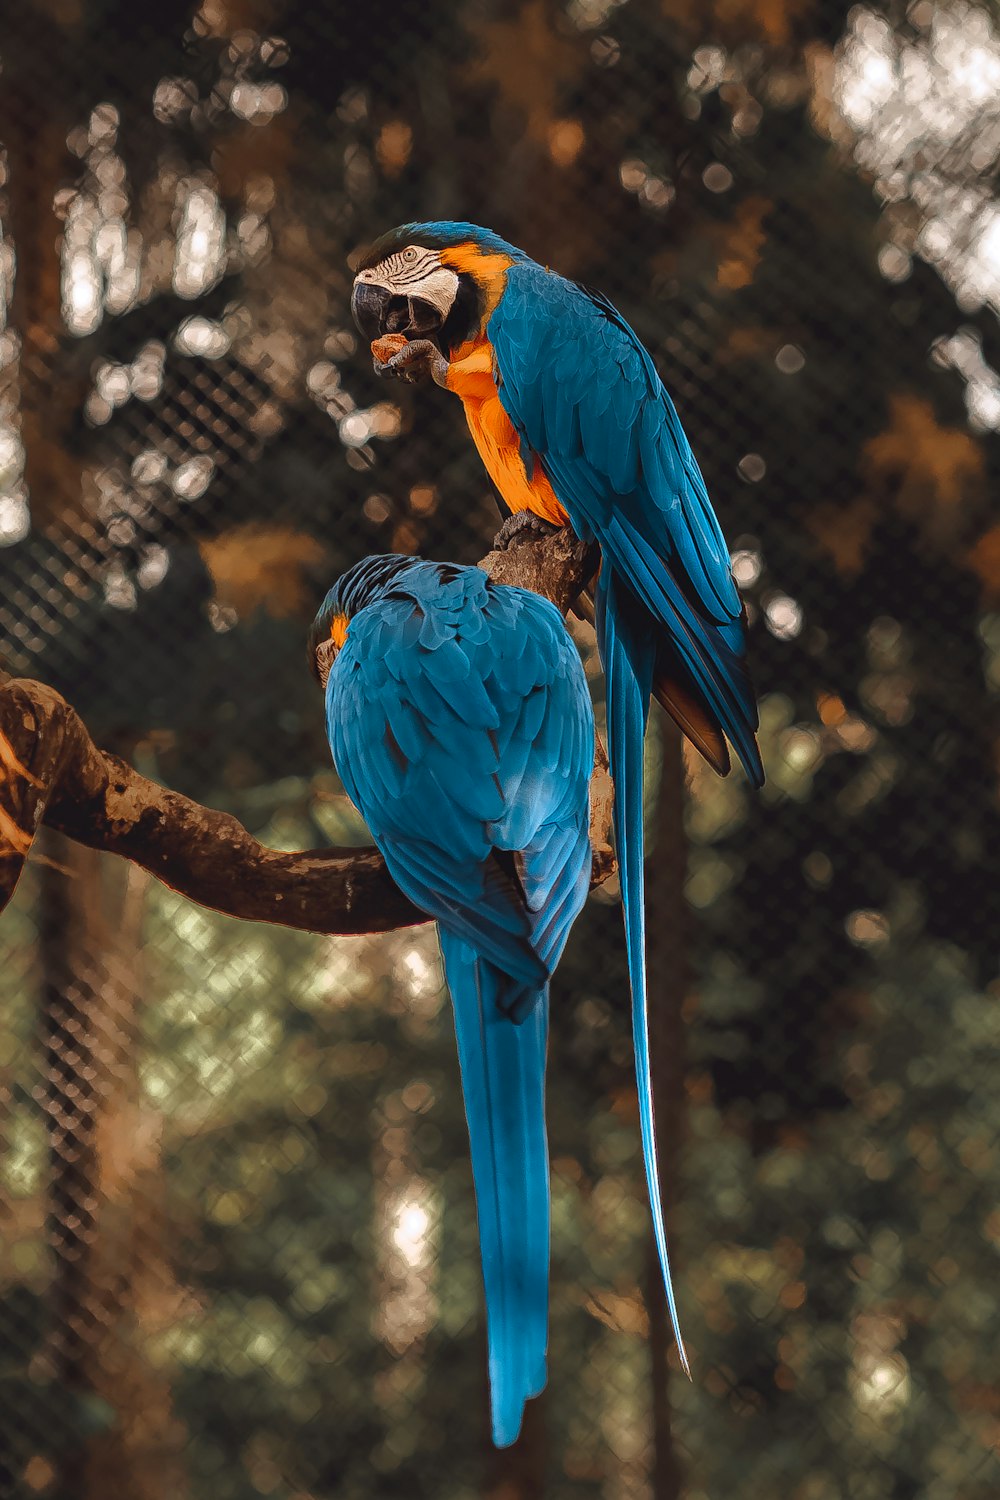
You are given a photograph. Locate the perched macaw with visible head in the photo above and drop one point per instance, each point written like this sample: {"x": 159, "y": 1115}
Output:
{"x": 574, "y": 425}
{"x": 460, "y": 722}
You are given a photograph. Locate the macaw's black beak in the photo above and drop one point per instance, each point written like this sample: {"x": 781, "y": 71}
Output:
{"x": 377, "y": 311}
{"x": 368, "y": 305}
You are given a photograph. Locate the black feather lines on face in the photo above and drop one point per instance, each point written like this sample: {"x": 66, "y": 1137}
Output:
{"x": 396, "y": 239}
{"x": 466, "y": 313}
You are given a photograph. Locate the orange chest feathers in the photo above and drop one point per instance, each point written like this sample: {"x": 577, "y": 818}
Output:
{"x": 495, "y": 437}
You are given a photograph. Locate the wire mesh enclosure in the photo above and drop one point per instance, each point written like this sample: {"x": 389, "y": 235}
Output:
{"x": 238, "y": 1250}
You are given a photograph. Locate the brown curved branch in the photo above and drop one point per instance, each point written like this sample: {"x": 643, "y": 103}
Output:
{"x": 51, "y": 772}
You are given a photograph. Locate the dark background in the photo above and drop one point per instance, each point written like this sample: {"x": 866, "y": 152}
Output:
{"x": 238, "y": 1247}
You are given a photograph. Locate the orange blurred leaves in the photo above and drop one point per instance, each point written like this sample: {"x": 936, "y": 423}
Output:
{"x": 770, "y": 20}
{"x": 742, "y": 240}
{"x": 63, "y": 12}
{"x": 622, "y": 1314}
{"x": 930, "y": 469}
{"x": 824, "y": 112}
{"x": 932, "y": 474}
{"x": 128, "y": 1145}
{"x": 393, "y": 146}
{"x": 249, "y": 152}
{"x": 528, "y": 62}
{"x": 748, "y": 343}
{"x": 843, "y": 531}
{"x": 226, "y": 17}
{"x": 726, "y": 255}
{"x": 39, "y": 1473}
{"x": 984, "y": 560}
{"x": 264, "y": 567}
{"x": 566, "y": 138}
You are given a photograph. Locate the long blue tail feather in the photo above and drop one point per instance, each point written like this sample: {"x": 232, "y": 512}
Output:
{"x": 628, "y": 651}
{"x": 503, "y": 1081}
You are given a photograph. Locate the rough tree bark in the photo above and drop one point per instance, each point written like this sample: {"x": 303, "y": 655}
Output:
{"x": 51, "y": 773}
{"x": 37, "y": 105}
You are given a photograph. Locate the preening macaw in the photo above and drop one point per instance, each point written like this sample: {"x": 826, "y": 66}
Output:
{"x": 460, "y": 723}
{"x": 574, "y": 425}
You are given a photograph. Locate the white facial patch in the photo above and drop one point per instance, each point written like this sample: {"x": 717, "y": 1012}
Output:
{"x": 415, "y": 272}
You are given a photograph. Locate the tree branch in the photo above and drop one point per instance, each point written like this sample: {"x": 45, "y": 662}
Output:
{"x": 52, "y": 773}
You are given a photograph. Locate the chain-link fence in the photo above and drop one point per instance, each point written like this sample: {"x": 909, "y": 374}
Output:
{"x": 239, "y": 1253}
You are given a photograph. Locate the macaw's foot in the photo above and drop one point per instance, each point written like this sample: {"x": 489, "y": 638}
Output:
{"x": 416, "y": 360}
{"x": 519, "y": 526}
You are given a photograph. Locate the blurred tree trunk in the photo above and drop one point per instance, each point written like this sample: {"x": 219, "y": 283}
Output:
{"x": 105, "y": 1194}
{"x": 668, "y": 976}
{"x": 36, "y": 113}
{"x": 112, "y": 1288}
{"x": 68, "y": 937}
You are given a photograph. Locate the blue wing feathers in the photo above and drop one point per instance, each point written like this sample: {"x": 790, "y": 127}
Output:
{"x": 469, "y": 754}
{"x": 585, "y": 396}
{"x": 466, "y": 745}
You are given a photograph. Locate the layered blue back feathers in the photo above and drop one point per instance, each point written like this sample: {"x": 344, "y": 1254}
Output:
{"x": 586, "y": 399}
{"x": 460, "y": 723}
{"x": 589, "y": 408}
{"x": 588, "y": 405}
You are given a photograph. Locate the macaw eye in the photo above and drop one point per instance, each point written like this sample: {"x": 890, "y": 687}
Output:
{"x": 409, "y": 254}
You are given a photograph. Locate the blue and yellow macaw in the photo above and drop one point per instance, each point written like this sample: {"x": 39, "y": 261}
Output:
{"x": 575, "y": 426}
{"x": 460, "y": 723}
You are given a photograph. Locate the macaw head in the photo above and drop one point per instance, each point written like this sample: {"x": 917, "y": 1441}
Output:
{"x": 433, "y": 281}
{"x": 368, "y": 580}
